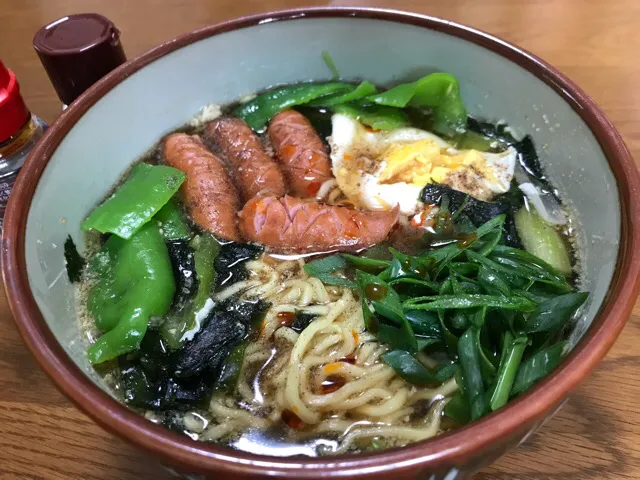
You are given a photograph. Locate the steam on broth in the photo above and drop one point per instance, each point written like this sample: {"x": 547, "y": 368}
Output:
{"x": 329, "y": 268}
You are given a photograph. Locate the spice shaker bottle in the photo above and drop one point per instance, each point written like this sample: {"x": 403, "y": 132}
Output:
{"x": 77, "y": 51}
{"x": 19, "y": 131}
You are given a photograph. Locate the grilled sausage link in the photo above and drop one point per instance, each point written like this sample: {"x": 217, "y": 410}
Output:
{"x": 256, "y": 172}
{"x": 301, "y": 152}
{"x": 296, "y": 225}
{"x": 209, "y": 194}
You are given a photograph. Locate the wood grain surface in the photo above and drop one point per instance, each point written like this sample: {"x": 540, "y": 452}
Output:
{"x": 595, "y": 42}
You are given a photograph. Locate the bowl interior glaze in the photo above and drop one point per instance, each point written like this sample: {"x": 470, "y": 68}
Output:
{"x": 129, "y": 119}
{"x": 171, "y": 88}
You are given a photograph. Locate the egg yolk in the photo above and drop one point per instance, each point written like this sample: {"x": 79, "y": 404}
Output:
{"x": 423, "y": 162}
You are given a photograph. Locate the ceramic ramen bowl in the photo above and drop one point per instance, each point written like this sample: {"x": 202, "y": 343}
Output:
{"x": 94, "y": 141}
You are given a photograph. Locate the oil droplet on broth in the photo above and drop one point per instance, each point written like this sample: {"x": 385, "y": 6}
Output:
{"x": 291, "y": 419}
{"x": 332, "y": 383}
{"x": 286, "y": 318}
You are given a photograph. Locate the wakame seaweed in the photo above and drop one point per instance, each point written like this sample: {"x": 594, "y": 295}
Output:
{"x": 154, "y": 377}
{"x": 500, "y": 132}
{"x": 229, "y": 264}
{"x": 320, "y": 119}
{"x": 184, "y": 268}
{"x": 74, "y": 262}
{"x": 301, "y": 321}
{"x": 477, "y": 211}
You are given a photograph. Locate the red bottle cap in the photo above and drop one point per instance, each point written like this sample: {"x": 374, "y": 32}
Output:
{"x": 13, "y": 111}
{"x": 77, "y": 51}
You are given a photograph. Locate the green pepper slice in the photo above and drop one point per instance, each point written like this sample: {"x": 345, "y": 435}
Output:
{"x": 147, "y": 189}
{"x": 133, "y": 281}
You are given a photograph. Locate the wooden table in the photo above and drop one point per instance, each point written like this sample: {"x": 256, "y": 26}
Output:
{"x": 595, "y": 42}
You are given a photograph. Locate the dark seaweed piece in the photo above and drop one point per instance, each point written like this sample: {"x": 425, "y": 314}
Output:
{"x": 156, "y": 378}
{"x": 147, "y": 379}
{"x": 73, "y": 260}
{"x": 420, "y": 118}
{"x": 528, "y": 157}
{"x": 477, "y": 211}
{"x": 225, "y": 328}
{"x": 301, "y": 321}
{"x": 320, "y": 119}
{"x": 229, "y": 264}
{"x": 137, "y": 389}
{"x": 184, "y": 268}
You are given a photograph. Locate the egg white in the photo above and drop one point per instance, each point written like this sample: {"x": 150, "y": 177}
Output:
{"x": 360, "y": 180}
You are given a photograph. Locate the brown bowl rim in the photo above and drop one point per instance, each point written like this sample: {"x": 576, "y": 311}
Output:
{"x": 444, "y": 451}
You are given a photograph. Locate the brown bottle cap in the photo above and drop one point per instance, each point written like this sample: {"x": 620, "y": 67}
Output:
{"x": 77, "y": 51}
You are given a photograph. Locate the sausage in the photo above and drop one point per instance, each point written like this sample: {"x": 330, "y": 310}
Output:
{"x": 256, "y": 172}
{"x": 303, "y": 225}
{"x": 301, "y": 152}
{"x": 208, "y": 193}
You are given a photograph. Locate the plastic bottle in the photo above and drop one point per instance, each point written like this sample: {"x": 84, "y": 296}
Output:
{"x": 19, "y": 131}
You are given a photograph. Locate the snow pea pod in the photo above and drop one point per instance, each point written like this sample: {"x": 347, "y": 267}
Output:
{"x": 258, "y": 111}
{"x": 438, "y": 91}
{"x": 172, "y": 222}
{"x": 147, "y": 189}
{"x": 378, "y": 117}
{"x": 362, "y": 90}
{"x": 134, "y": 281}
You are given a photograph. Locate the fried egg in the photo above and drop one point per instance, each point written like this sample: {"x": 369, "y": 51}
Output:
{"x": 378, "y": 170}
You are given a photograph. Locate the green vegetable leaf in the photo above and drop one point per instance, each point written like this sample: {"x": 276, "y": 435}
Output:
{"x": 371, "y": 265}
{"x": 408, "y": 367}
{"x": 457, "y": 409}
{"x": 514, "y": 276}
{"x": 361, "y": 91}
{"x": 395, "y": 337}
{"x": 424, "y": 342}
{"x": 536, "y": 367}
{"x": 509, "y": 364}
{"x": 424, "y": 323}
{"x": 386, "y": 303}
{"x": 414, "y": 281}
{"x": 527, "y": 258}
{"x": 147, "y": 189}
{"x": 377, "y": 117}
{"x": 172, "y": 223}
{"x": 463, "y": 268}
{"x": 523, "y": 269}
{"x": 446, "y": 372}
{"x": 331, "y": 65}
{"x": 442, "y": 256}
{"x": 325, "y": 268}
{"x": 490, "y": 242}
{"x": 542, "y": 240}
{"x": 404, "y": 265}
{"x": 438, "y": 91}
{"x": 228, "y": 378}
{"x": 437, "y": 302}
{"x": 477, "y": 316}
{"x": 554, "y": 313}
{"x": 260, "y": 110}
{"x": 370, "y": 323}
{"x": 469, "y": 356}
{"x": 450, "y": 339}
{"x": 492, "y": 282}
